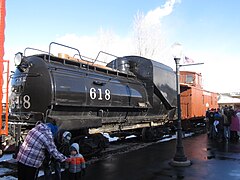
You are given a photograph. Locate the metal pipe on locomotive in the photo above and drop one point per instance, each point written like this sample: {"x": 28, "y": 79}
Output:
{"x": 129, "y": 93}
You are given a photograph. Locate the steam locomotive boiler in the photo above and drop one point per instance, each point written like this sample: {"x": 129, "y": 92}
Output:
{"x": 130, "y": 92}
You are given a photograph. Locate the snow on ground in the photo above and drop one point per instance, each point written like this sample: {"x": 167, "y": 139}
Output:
{"x": 3, "y": 171}
{"x": 131, "y": 136}
{"x": 8, "y": 178}
{"x": 6, "y": 157}
{"x": 110, "y": 139}
{"x": 175, "y": 136}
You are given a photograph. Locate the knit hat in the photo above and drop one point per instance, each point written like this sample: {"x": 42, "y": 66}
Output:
{"x": 66, "y": 137}
{"x": 52, "y": 127}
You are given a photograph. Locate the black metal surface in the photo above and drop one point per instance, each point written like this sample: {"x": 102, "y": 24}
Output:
{"x": 159, "y": 81}
{"x": 80, "y": 94}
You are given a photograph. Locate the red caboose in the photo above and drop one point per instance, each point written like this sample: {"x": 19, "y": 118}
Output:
{"x": 194, "y": 99}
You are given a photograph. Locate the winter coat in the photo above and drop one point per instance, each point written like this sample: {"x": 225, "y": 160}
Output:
{"x": 218, "y": 117}
{"x": 211, "y": 117}
{"x": 62, "y": 146}
{"x": 235, "y": 122}
{"x": 225, "y": 120}
{"x": 38, "y": 140}
{"x": 75, "y": 163}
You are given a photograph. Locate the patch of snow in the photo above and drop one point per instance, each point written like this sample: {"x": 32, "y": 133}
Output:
{"x": 8, "y": 178}
{"x": 189, "y": 134}
{"x": 131, "y": 136}
{"x": 40, "y": 173}
{"x": 5, "y": 170}
{"x": 167, "y": 139}
{"x": 110, "y": 139}
{"x": 6, "y": 157}
{"x": 175, "y": 137}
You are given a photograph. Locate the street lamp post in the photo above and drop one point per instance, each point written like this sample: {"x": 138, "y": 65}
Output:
{"x": 179, "y": 159}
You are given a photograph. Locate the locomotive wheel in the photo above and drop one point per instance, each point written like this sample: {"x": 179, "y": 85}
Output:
{"x": 147, "y": 134}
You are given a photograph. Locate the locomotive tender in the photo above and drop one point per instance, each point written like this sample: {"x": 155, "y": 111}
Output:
{"x": 130, "y": 92}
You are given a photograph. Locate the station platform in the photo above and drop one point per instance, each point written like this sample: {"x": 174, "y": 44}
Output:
{"x": 210, "y": 160}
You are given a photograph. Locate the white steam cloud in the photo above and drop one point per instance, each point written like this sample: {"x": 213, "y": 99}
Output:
{"x": 149, "y": 38}
{"x": 155, "y": 16}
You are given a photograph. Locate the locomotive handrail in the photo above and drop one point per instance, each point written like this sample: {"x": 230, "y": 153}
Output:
{"x": 84, "y": 57}
{"x": 103, "y": 53}
{"x": 91, "y": 59}
{"x": 34, "y": 50}
{"x": 63, "y": 46}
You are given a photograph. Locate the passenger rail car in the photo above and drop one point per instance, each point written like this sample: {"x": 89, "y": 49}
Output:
{"x": 130, "y": 92}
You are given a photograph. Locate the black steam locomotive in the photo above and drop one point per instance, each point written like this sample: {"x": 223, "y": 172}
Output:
{"x": 130, "y": 92}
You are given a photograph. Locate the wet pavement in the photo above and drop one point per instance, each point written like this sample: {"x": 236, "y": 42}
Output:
{"x": 211, "y": 160}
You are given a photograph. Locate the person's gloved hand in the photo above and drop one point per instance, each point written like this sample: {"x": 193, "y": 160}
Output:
{"x": 68, "y": 160}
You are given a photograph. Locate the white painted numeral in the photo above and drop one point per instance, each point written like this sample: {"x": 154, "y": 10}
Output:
{"x": 97, "y": 93}
{"x": 100, "y": 94}
{"x": 26, "y": 102}
{"x": 107, "y": 94}
{"x": 93, "y": 94}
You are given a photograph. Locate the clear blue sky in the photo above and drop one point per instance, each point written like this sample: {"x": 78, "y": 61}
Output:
{"x": 208, "y": 29}
{"x": 42, "y": 20}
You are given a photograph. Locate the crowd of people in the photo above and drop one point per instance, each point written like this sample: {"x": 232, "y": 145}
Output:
{"x": 48, "y": 148}
{"x": 223, "y": 124}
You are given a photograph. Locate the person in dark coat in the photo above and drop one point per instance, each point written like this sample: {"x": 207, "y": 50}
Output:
{"x": 235, "y": 126}
{"x": 218, "y": 125}
{"x": 62, "y": 142}
{"x": 210, "y": 116}
{"x": 227, "y": 117}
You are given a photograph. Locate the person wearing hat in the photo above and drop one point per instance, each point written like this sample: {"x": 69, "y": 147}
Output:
{"x": 76, "y": 163}
{"x": 62, "y": 141}
{"x": 32, "y": 152}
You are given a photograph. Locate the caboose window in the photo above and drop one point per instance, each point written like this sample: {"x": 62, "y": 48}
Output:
{"x": 189, "y": 79}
